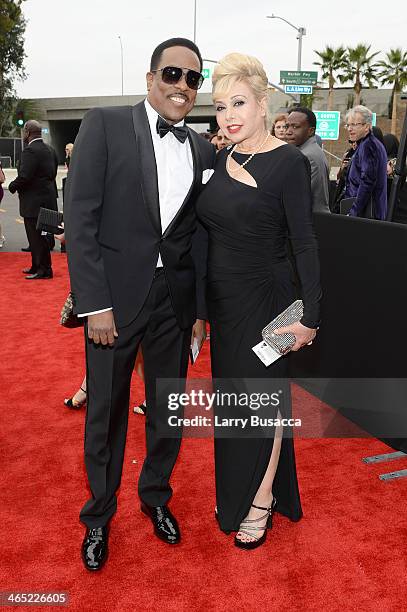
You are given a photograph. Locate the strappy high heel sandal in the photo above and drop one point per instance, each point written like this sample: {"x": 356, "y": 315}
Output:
{"x": 249, "y": 527}
{"x": 74, "y": 404}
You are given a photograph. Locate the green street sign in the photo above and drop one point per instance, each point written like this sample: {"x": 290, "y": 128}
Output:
{"x": 298, "y": 77}
{"x": 206, "y": 73}
{"x": 328, "y": 124}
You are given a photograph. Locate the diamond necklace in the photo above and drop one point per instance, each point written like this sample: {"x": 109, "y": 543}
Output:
{"x": 241, "y": 166}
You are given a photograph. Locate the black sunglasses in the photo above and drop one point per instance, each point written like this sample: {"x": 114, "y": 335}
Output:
{"x": 173, "y": 74}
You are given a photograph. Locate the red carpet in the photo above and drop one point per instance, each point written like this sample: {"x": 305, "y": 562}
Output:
{"x": 347, "y": 553}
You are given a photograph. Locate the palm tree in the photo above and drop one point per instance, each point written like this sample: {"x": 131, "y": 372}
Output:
{"x": 332, "y": 61}
{"x": 394, "y": 70}
{"x": 359, "y": 69}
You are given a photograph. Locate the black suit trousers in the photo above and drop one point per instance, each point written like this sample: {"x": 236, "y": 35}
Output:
{"x": 40, "y": 253}
{"x": 109, "y": 369}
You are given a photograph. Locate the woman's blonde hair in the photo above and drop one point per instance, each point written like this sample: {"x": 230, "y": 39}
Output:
{"x": 236, "y": 67}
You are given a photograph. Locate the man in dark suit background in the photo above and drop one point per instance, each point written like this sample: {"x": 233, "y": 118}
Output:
{"x": 36, "y": 187}
{"x": 137, "y": 272}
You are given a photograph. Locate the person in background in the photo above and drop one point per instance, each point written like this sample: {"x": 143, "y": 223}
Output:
{"x": 391, "y": 144}
{"x": 2, "y": 180}
{"x": 206, "y": 136}
{"x": 366, "y": 180}
{"x": 377, "y": 133}
{"x": 78, "y": 400}
{"x": 139, "y": 368}
{"x": 68, "y": 155}
{"x": 220, "y": 140}
{"x": 341, "y": 177}
{"x": 301, "y": 125}
{"x": 279, "y": 126}
{"x": 36, "y": 187}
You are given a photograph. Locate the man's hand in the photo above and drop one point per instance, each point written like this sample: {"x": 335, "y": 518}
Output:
{"x": 303, "y": 335}
{"x": 199, "y": 332}
{"x": 102, "y": 328}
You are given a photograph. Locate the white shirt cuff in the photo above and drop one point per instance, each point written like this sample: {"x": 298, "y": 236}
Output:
{"x": 86, "y": 314}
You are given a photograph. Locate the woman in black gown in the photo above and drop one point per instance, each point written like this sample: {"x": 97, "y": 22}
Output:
{"x": 257, "y": 200}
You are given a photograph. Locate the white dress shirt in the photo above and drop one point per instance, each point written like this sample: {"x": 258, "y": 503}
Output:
{"x": 175, "y": 172}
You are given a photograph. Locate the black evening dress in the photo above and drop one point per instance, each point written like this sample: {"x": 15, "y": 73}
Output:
{"x": 250, "y": 281}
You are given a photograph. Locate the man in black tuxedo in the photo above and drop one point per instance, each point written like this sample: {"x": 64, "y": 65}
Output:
{"x": 36, "y": 187}
{"x": 137, "y": 267}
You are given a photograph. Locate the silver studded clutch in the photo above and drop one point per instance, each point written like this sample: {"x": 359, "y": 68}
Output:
{"x": 281, "y": 343}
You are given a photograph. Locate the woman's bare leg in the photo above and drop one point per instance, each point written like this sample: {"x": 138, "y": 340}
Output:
{"x": 264, "y": 495}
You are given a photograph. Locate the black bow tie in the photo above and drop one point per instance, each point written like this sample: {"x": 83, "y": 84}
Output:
{"x": 180, "y": 133}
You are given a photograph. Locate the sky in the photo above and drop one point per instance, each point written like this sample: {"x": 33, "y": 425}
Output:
{"x": 73, "y": 48}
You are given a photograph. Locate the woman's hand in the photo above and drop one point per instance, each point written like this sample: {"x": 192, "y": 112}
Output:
{"x": 303, "y": 335}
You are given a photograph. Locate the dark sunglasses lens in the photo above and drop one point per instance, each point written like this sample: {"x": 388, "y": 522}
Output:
{"x": 194, "y": 79}
{"x": 171, "y": 74}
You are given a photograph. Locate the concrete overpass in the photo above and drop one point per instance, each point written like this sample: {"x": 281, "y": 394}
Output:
{"x": 61, "y": 117}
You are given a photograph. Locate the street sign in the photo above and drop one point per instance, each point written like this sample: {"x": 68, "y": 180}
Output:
{"x": 206, "y": 73}
{"x": 298, "y": 77}
{"x": 298, "y": 89}
{"x": 328, "y": 124}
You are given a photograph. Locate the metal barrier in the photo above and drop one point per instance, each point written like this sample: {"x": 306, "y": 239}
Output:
{"x": 388, "y": 457}
{"x": 331, "y": 154}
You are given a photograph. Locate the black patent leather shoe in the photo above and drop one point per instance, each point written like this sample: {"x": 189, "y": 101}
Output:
{"x": 164, "y": 523}
{"x": 95, "y": 549}
{"x": 29, "y": 271}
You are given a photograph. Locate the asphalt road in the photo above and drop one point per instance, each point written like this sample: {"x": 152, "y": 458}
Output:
{"x": 12, "y": 225}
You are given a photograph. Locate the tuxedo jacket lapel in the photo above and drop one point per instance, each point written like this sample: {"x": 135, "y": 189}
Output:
{"x": 196, "y": 157}
{"x": 148, "y": 164}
